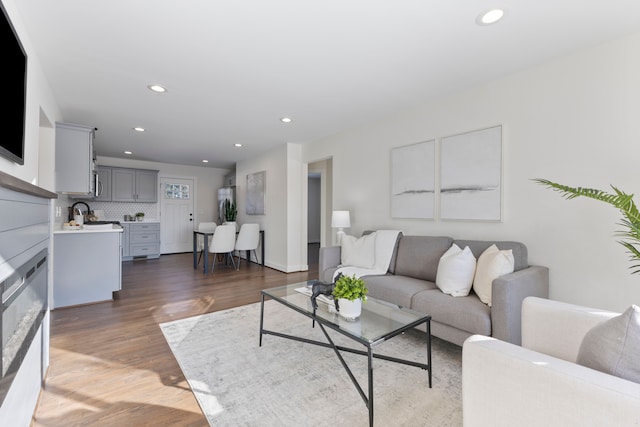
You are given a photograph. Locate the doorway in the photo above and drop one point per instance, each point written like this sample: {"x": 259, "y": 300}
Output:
{"x": 176, "y": 215}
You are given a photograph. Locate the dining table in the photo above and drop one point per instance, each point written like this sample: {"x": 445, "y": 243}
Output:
{"x": 205, "y": 235}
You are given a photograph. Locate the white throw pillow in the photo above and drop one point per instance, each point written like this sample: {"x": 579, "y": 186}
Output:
{"x": 358, "y": 252}
{"x": 492, "y": 263}
{"x": 456, "y": 269}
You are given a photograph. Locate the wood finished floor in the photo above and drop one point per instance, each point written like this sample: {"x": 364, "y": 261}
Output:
{"x": 109, "y": 362}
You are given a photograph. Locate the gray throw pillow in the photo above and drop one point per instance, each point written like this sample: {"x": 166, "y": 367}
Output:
{"x": 613, "y": 346}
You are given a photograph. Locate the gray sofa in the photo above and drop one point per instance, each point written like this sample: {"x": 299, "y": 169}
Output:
{"x": 410, "y": 282}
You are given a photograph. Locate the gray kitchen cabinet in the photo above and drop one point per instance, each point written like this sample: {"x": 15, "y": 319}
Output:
{"x": 87, "y": 267}
{"x": 134, "y": 185}
{"x": 144, "y": 240}
{"x": 104, "y": 184}
{"x": 74, "y": 164}
{"x": 125, "y": 240}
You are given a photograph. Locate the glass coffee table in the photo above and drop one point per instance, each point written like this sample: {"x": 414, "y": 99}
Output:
{"x": 379, "y": 322}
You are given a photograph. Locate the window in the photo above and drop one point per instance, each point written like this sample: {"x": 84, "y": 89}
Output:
{"x": 177, "y": 191}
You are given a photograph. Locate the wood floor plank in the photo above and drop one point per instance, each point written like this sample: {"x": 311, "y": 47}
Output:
{"x": 109, "y": 362}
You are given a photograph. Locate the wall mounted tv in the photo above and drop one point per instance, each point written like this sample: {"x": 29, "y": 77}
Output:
{"x": 13, "y": 100}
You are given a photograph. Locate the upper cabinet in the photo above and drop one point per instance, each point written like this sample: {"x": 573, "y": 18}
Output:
{"x": 74, "y": 159}
{"x": 134, "y": 185}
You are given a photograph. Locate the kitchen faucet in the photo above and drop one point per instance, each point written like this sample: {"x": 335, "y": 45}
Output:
{"x": 74, "y": 209}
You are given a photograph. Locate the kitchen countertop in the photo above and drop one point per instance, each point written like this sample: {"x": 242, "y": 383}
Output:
{"x": 115, "y": 229}
{"x": 149, "y": 221}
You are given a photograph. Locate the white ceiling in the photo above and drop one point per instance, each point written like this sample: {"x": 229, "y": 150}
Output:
{"x": 234, "y": 68}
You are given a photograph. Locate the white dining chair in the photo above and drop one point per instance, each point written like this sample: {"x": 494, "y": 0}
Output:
{"x": 223, "y": 242}
{"x": 248, "y": 240}
{"x": 205, "y": 227}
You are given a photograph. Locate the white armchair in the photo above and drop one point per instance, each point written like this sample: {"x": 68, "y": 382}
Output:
{"x": 539, "y": 384}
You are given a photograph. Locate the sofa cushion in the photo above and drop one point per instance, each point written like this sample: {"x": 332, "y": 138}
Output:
{"x": 613, "y": 346}
{"x": 418, "y": 256}
{"x": 358, "y": 252}
{"x": 520, "y": 253}
{"x": 396, "y": 289}
{"x": 492, "y": 264}
{"x": 455, "y": 271}
{"x": 465, "y": 313}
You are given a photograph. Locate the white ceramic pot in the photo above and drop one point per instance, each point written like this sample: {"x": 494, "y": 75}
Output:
{"x": 350, "y": 310}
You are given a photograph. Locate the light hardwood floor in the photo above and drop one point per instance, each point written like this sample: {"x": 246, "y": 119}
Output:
{"x": 110, "y": 364}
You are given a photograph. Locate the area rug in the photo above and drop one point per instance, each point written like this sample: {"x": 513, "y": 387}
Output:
{"x": 290, "y": 383}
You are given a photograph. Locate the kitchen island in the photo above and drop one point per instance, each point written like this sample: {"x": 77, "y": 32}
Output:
{"x": 87, "y": 265}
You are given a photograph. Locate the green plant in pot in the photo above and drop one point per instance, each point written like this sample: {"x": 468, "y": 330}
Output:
{"x": 230, "y": 211}
{"x": 620, "y": 200}
{"x": 140, "y": 216}
{"x": 350, "y": 292}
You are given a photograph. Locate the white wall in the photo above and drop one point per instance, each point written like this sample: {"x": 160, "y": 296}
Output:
{"x": 285, "y": 194}
{"x": 575, "y": 120}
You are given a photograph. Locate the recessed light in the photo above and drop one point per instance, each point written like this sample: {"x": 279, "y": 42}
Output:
{"x": 157, "y": 88}
{"x": 128, "y": 152}
{"x": 205, "y": 161}
{"x": 489, "y": 17}
{"x": 237, "y": 145}
{"x": 286, "y": 120}
{"x": 138, "y": 129}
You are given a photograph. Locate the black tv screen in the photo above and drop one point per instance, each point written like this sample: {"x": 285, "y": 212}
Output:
{"x": 13, "y": 100}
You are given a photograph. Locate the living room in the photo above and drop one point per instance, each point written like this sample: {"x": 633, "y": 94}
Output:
{"x": 571, "y": 119}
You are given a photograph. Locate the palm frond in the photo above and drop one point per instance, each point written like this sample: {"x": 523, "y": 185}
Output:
{"x": 619, "y": 199}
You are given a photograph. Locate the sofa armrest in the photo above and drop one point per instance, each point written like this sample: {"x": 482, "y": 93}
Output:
{"x": 328, "y": 262}
{"x": 557, "y": 328}
{"x": 507, "y": 294}
{"x": 506, "y": 385}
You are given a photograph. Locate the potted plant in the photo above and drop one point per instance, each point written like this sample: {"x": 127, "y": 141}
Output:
{"x": 230, "y": 211}
{"x": 619, "y": 199}
{"x": 350, "y": 293}
{"x": 140, "y": 216}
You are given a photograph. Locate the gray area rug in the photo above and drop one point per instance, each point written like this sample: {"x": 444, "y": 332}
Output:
{"x": 289, "y": 383}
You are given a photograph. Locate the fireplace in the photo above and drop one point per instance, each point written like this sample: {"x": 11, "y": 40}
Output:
{"x": 24, "y": 304}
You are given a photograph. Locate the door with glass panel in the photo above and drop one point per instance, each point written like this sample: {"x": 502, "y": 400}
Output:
{"x": 176, "y": 215}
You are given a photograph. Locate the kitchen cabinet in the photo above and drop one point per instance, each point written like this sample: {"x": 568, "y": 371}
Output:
{"x": 104, "y": 184}
{"x": 87, "y": 267}
{"x": 74, "y": 164}
{"x": 143, "y": 240}
{"x": 134, "y": 185}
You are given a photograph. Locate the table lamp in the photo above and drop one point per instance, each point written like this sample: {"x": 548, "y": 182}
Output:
{"x": 340, "y": 220}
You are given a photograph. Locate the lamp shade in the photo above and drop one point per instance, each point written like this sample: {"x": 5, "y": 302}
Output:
{"x": 340, "y": 219}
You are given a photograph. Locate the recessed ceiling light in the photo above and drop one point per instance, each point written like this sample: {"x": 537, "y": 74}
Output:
{"x": 138, "y": 129}
{"x": 489, "y": 17}
{"x": 128, "y": 152}
{"x": 157, "y": 88}
{"x": 285, "y": 120}
{"x": 237, "y": 145}
{"x": 205, "y": 161}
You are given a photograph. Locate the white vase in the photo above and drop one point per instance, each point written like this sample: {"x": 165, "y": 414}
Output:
{"x": 231, "y": 223}
{"x": 350, "y": 310}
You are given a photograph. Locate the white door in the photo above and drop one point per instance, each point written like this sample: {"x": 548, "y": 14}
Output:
{"x": 176, "y": 215}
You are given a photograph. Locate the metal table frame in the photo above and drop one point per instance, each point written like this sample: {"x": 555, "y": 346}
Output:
{"x": 205, "y": 255}
{"x": 322, "y": 323}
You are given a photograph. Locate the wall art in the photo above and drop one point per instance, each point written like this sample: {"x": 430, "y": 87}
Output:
{"x": 471, "y": 175}
{"x": 413, "y": 181}
{"x": 256, "y": 187}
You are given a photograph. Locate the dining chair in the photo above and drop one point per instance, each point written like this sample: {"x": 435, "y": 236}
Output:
{"x": 248, "y": 240}
{"x": 223, "y": 242}
{"x": 205, "y": 227}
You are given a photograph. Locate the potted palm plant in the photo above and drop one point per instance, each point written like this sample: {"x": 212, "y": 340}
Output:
{"x": 619, "y": 199}
{"x": 350, "y": 293}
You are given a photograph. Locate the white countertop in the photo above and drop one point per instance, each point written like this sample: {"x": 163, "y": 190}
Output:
{"x": 115, "y": 229}
{"x": 150, "y": 221}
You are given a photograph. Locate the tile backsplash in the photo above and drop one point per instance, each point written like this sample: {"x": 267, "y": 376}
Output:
{"x": 115, "y": 211}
